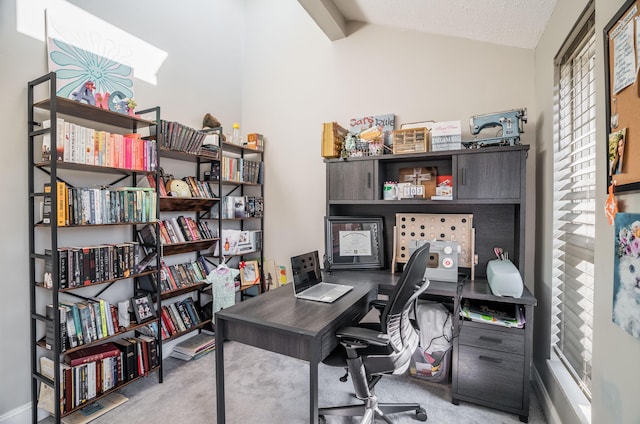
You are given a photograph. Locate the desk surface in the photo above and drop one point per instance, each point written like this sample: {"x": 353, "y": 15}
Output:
{"x": 279, "y": 311}
{"x": 476, "y": 289}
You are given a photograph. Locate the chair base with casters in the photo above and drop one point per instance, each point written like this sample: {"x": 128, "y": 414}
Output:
{"x": 371, "y": 409}
{"x": 370, "y": 352}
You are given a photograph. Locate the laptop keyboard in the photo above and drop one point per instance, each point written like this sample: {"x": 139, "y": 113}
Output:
{"x": 322, "y": 291}
{"x": 319, "y": 291}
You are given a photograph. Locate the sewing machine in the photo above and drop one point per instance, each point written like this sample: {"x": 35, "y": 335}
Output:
{"x": 510, "y": 123}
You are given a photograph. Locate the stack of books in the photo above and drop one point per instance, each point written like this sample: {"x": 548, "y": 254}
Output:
{"x": 195, "y": 347}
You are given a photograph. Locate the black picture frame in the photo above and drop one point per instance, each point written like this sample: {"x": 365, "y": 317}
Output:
{"x": 143, "y": 308}
{"x": 354, "y": 242}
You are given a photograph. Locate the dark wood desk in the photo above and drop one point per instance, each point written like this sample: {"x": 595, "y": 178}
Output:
{"x": 278, "y": 322}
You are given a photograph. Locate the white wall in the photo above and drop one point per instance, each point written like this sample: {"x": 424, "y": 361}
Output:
{"x": 615, "y": 353}
{"x": 295, "y": 79}
{"x": 203, "y": 40}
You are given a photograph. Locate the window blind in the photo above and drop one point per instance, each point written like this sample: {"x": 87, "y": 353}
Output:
{"x": 574, "y": 205}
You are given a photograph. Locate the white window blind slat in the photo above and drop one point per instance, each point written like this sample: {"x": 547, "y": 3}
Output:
{"x": 574, "y": 206}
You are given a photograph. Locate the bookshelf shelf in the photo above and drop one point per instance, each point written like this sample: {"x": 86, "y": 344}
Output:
{"x": 232, "y": 147}
{"x": 96, "y": 225}
{"x": 92, "y": 168}
{"x": 68, "y": 317}
{"x": 112, "y": 390}
{"x": 40, "y": 284}
{"x": 187, "y": 157}
{"x": 92, "y": 113}
{"x": 186, "y": 247}
{"x": 178, "y": 292}
{"x": 203, "y": 325}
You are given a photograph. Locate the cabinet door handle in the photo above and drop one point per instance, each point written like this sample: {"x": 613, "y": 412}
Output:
{"x": 490, "y": 339}
{"x": 490, "y": 359}
{"x": 368, "y": 179}
{"x": 461, "y": 176}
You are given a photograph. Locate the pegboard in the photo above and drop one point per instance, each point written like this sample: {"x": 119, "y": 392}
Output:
{"x": 448, "y": 227}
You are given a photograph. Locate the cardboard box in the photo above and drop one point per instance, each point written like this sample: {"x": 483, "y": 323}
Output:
{"x": 425, "y": 176}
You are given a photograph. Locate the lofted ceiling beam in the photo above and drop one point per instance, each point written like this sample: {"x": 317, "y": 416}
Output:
{"x": 327, "y": 16}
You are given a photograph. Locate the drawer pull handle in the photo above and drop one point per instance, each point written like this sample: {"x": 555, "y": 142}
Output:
{"x": 490, "y": 339}
{"x": 490, "y": 359}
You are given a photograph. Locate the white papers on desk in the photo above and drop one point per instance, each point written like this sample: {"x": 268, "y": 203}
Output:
{"x": 509, "y": 315}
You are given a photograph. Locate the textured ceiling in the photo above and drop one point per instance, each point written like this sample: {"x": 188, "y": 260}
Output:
{"x": 517, "y": 23}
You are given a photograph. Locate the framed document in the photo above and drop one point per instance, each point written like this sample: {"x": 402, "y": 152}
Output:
{"x": 354, "y": 242}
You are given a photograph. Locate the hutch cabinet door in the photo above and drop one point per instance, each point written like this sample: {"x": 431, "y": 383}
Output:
{"x": 351, "y": 180}
{"x": 494, "y": 175}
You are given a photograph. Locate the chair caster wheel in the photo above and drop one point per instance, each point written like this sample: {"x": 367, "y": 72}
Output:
{"x": 421, "y": 414}
{"x": 321, "y": 419}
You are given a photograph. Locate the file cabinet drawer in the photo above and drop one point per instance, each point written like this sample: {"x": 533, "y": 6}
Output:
{"x": 503, "y": 341}
{"x": 491, "y": 376}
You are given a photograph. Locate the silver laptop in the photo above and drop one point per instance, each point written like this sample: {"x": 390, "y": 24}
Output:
{"x": 307, "y": 280}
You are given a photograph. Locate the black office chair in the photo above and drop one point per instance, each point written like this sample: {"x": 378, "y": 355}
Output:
{"x": 371, "y": 351}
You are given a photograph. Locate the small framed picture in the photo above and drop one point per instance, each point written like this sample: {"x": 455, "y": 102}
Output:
{"x": 271, "y": 280}
{"x": 250, "y": 273}
{"x": 143, "y": 308}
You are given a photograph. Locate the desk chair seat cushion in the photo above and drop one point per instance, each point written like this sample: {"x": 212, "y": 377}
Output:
{"x": 381, "y": 353}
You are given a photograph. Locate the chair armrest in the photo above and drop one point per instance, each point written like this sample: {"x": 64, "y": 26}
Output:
{"x": 379, "y": 304}
{"x": 363, "y": 335}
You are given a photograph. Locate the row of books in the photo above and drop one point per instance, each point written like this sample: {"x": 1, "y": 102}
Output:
{"x": 179, "y": 317}
{"x": 78, "y": 144}
{"x": 241, "y": 207}
{"x": 199, "y": 188}
{"x": 174, "y": 277}
{"x": 183, "y": 229}
{"x": 239, "y": 170}
{"x": 196, "y": 187}
{"x": 83, "y": 266}
{"x": 177, "y": 136}
{"x": 83, "y": 322}
{"x": 255, "y": 141}
{"x": 86, "y": 205}
{"x": 89, "y": 372}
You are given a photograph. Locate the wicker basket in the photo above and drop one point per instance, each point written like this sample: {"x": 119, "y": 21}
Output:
{"x": 365, "y": 148}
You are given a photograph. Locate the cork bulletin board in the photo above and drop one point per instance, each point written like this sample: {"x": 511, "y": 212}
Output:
{"x": 622, "y": 66}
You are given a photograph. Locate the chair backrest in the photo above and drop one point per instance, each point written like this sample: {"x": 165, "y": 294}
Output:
{"x": 410, "y": 281}
{"x": 395, "y": 319}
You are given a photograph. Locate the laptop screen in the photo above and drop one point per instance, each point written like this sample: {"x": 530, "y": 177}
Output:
{"x": 306, "y": 271}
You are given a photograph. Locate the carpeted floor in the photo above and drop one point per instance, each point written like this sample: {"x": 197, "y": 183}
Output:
{"x": 267, "y": 388}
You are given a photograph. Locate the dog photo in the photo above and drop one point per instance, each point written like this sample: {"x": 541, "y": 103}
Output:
{"x": 626, "y": 273}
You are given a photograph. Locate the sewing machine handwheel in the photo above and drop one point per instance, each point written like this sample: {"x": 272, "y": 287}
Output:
{"x": 421, "y": 414}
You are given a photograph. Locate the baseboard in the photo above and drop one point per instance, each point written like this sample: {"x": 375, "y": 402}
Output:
{"x": 19, "y": 415}
{"x": 547, "y": 406}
